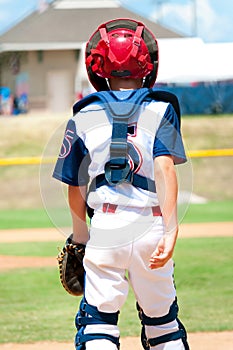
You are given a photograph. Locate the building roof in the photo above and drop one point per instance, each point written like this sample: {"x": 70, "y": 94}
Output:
{"x": 67, "y": 24}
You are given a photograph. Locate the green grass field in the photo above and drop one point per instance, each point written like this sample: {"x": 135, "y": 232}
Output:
{"x": 33, "y": 218}
{"x": 34, "y": 306}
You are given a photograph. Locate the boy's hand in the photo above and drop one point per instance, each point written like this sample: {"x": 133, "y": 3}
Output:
{"x": 163, "y": 251}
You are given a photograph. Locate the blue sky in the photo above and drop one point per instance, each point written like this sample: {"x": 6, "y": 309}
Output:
{"x": 213, "y": 21}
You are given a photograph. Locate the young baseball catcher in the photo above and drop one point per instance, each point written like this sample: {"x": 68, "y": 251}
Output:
{"x": 118, "y": 158}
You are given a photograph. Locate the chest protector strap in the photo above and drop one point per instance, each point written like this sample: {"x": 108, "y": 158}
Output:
{"x": 120, "y": 107}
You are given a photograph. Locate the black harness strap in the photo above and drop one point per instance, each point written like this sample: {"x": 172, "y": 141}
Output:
{"x": 157, "y": 95}
{"x": 117, "y": 170}
{"x": 138, "y": 181}
{"x": 120, "y": 110}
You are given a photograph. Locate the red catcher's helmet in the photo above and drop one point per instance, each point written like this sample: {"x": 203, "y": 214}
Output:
{"x": 121, "y": 48}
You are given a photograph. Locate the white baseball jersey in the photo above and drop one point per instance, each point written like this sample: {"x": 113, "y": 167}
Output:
{"x": 153, "y": 131}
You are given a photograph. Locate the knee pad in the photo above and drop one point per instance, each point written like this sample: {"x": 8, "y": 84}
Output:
{"x": 156, "y": 321}
{"x": 89, "y": 315}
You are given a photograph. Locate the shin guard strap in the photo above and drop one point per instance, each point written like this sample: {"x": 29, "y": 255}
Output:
{"x": 82, "y": 339}
{"x": 154, "y": 321}
{"x": 166, "y": 338}
{"x": 97, "y": 317}
{"x": 101, "y": 317}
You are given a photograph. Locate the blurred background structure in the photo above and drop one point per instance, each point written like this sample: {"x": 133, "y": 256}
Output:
{"x": 42, "y": 56}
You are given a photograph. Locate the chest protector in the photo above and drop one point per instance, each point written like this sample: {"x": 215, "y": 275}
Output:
{"x": 120, "y": 108}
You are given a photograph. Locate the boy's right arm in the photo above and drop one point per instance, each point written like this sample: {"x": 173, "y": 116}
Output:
{"x": 77, "y": 204}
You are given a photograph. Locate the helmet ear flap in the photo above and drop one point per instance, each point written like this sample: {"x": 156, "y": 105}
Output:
{"x": 152, "y": 45}
{"x": 100, "y": 84}
{"x": 150, "y": 79}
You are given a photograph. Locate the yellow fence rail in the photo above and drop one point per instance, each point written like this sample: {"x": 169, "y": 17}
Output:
{"x": 26, "y": 160}
{"x": 226, "y": 152}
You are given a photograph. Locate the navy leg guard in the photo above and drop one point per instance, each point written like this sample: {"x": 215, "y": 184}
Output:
{"x": 88, "y": 315}
{"x": 155, "y": 321}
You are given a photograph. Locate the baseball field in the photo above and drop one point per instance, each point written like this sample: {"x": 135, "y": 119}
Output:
{"x": 37, "y": 313}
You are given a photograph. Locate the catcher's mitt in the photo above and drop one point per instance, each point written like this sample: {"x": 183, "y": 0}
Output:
{"x": 70, "y": 262}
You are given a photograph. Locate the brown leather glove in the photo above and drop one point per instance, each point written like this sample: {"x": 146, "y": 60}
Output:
{"x": 70, "y": 262}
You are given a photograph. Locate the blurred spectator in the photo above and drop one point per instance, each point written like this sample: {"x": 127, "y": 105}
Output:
{"x": 6, "y": 102}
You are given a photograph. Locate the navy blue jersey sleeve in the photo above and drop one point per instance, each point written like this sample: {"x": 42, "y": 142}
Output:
{"x": 168, "y": 140}
{"x": 73, "y": 161}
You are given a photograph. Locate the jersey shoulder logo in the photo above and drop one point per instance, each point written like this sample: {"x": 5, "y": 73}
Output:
{"x": 67, "y": 144}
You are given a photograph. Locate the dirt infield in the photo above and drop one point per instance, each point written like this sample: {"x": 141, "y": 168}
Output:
{"x": 52, "y": 234}
{"x": 197, "y": 341}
